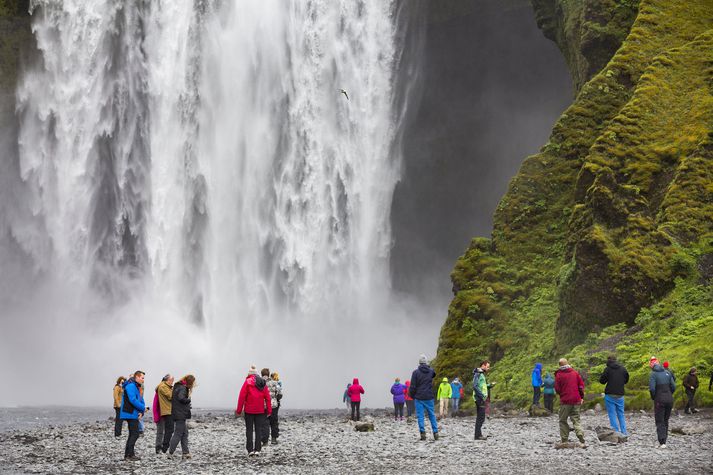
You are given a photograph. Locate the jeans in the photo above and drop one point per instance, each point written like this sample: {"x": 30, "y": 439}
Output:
{"x": 536, "y": 395}
{"x": 164, "y": 431}
{"x": 180, "y": 433}
{"x": 615, "y": 409}
{"x": 398, "y": 410}
{"x": 426, "y": 405}
{"x": 355, "y": 407}
{"x": 254, "y": 424}
{"x": 270, "y": 425}
{"x": 550, "y": 402}
{"x": 444, "y": 407}
{"x": 662, "y": 411}
{"x": 455, "y": 406}
{"x": 571, "y": 411}
{"x": 117, "y": 423}
{"x": 690, "y": 393}
{"x": 133, "y": 437}
{"x": 479, "y": 419}
{"x": 410, "y": 409}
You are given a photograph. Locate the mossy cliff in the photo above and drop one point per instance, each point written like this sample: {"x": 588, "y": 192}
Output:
{"x": 15, "y": 36}
{"x": 604, "y": 240}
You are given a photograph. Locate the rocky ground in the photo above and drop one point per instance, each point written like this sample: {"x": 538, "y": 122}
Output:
{"x": 327, "y": 443}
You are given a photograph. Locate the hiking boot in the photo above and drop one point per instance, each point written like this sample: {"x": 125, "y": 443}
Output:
{"x": 435, "y": 436}
{"x": 687, "y": 411}
{"x": 662, "y": 446}
{"x": 481, "y": 437}
{"x": 132, "y": 458}
{"x": 186, "y": 457}
{"x": 581, "y": 439}
{"x": 256, "y": 453}
{"x": 169, "y": 455}
{"x": 274, "y": 441}
{"x": 251, "y": 454}
{"x": 158, "y": 450}
{"x": 423, "y": 436}
{"x": 693, "y": 411}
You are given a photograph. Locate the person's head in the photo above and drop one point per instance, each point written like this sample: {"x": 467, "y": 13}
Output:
{"x": 693, "y": 370}
{"x": 422, "y": 359}
{"x": 168, "y": 379}
{"x": 252, "y": 370}
{"x": 484, "y": 365}
{"x": 139, "y": 377}
{"x": 265, "y": 372}
{"x": 444, "y": 380}
{"x": 275, "y": 376}
{"x": 611, "y": 359}
{"x": 120, "y": 380}
{"x": 653, "y": 361}
{"x": 563, "y": 362}
{"x": 397, "y": 380}
{"x": 665, "y": 364}
{"x": 189, "y": 380}
{"x": 538, "y": 366}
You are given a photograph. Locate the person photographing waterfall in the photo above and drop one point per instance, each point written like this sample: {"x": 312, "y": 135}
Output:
{"x": 132, "y": 406}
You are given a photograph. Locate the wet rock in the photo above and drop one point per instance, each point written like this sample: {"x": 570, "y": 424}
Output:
{"x": 605, "y": 434}
{"x": 688, "y": 430}
{"x": 364, "y": 427}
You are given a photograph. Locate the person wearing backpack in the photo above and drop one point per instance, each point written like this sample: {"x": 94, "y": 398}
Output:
{"x": 661, "y": 388}
{"x": 271, "y": 429}
{"x": 181, "y": 412}
{"x": 480, "y": 395}
{"x": 549, "y": 391}
{"x": 398, "y": 392}
{"x": 254, "y": 397}
{"x": 456, "y": 395}
{"x": 162, "y": 413}
{"x": 132, "y": 405}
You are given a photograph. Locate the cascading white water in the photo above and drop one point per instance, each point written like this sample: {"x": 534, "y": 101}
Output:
{"x": 196, "y": 175}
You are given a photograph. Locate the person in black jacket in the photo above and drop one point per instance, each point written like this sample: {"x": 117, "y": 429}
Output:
{"x": 421, "y": 390}
{"x": 661, "y": 387}
{"x": 690, "y": 384}
{"x": 615, "y": 377}
{"x": 181, "y": 412}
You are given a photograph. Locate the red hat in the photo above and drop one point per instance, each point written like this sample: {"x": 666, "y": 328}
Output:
{"x": 665, "y": 364}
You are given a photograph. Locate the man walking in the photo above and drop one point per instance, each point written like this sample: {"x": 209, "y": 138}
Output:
{"x": 480, "y": 394}
{"x": 164, "y": 426}
{"x": 570, "y": 387}
{"x": 421, "y": 390}
{"x": 132, "y": 404}
{"x": 690, "y": 383}
{"x": 661, "y": 387}
{"x": 615, "y": 377}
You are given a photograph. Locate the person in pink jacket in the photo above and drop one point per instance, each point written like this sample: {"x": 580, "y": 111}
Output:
{"x": 355, "y": 391}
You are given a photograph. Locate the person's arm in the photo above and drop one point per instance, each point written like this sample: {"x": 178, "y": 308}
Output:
{"x": 268, "y": 401}
{"x": 241, "y": 399}
{"x": 652, "y": 385}
{"x": 604, "y": 378}
{"x": 558, "y": 384}
{"x": 182, "y": 395}
{"x": 476, "y": 388}
{"x": 361, "y": 389}
{"x": 165, "y": 391}
{"x": 672, "y": 384}
{"x": 132, "y": 392}
{"x": 626, "y": 376}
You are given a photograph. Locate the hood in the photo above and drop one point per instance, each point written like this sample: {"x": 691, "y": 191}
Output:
{"x": 131, "y": 380}
{"x": 444, "y": 380}
{"x": 565, "y": 369}
{"x": 396, "y": 384}
{"x": 658, "y": 368}
{"x": 349, "y": 385}
{"x": 613, "y": 364}
{"x": 355, "y": 381}
{"x": 538, "y": 367}
{"x": 478, "y": 370}
{"x": 424, "y": 368}
{"x": 456, "y": 381}
{"x": 408, "y": 383}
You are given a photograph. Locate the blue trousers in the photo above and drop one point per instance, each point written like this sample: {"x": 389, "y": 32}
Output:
{"x": 427, "y": 405}
{"x": 615, "y": 409}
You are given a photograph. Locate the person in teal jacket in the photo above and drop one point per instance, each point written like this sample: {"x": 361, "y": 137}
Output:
{"x": 444, "y": 395}
{"x": 456, "y": 387}
{"x": 132, "y": 404}
{"x": 549, "y": 392}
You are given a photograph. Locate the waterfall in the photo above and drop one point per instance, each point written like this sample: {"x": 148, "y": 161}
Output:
{"x": 193, "y": 167}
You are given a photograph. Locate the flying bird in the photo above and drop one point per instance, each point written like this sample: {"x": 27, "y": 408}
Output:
{"x": 345, "y": 93}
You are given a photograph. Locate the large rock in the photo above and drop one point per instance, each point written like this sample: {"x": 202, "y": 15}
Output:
{"x": 688, "y": 430}
{"x": 364, "y": 427}
{"x": 604, "y": 434}
{"x": 537, "y": 411}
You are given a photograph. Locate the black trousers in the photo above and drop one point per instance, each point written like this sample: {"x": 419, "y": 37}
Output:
{"x": 168, "y": 424}
{"x": 690, "y": 393}
{"x": 536, "y": 395}
{"x": 117, "y": 422}
{"x": 479, "y": 419}
{"x": 133, "y": 437}
{"x": 355, "y": 407}
{"x": 253, "y": 426}
{"x": 398, "y": 410}
{"x": 550, "y": 402}
{"x": 662, "y": 411}
{"x": 410, "y": 407}
{"x": 271, "y": 427}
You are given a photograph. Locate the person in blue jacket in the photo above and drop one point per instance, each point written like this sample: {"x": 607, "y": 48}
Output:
{"x": 536, "y": 384}
{"x": 132, "y": 404}
{"x": 456, "y": 386}
{"x": 421, "y": 390}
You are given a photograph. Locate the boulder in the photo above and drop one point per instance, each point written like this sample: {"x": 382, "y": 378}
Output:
{"x": 537, "y": 411}
{"x": 364, "y": 427}
{"x": 604, "y": 434}
{"x": 597, "y": 408}
{"x": 688, "y": 430}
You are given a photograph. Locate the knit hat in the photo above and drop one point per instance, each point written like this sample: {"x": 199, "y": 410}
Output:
{"x": 665, "y": 364}
{"x": 422, "y": 359}
{"x": 252, "y": 370}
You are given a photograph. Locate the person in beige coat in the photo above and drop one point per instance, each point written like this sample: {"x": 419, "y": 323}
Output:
{"x": 118, "y": 394}
{"x": 164, "y": 427}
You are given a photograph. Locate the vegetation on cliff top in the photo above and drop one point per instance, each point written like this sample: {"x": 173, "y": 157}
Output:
{"x": 603, "y": 240}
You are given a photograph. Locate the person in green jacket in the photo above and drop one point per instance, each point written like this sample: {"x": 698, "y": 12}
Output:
{"x": 549, "y": 392}
{"x": 480, "y": 395}
{"x": 444, "y": 395}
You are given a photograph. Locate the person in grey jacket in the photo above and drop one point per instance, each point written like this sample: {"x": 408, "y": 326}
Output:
{"x": 661, "y": 387}
{"x": 271, "y": 427}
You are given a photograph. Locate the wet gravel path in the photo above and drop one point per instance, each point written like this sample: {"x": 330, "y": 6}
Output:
{"x": 327, "y": 443}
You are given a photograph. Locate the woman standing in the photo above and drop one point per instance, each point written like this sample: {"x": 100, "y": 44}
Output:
{"x": 118, "y": 395}
{"x": 397, "y": 389}
{"x": 255, "y": 399}
{"x": 181, "y": 412}
{"x": 410, "y": 405}
{"x": 355, "y": 391}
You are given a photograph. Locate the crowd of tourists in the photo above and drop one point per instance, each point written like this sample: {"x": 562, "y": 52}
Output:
{"x": 260, "y": 398}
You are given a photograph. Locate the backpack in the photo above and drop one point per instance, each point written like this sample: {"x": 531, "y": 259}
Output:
{"x": 461, "y": 392}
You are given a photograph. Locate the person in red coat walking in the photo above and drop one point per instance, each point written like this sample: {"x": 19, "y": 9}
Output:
{"x": 255, "y": 399}
{"x": 355, "y": 391}
{"x": 570, "y": 386}
{"x": 410, "y": 405}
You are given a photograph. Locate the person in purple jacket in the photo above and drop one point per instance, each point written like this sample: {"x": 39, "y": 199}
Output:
{"x": 397, "y": 389}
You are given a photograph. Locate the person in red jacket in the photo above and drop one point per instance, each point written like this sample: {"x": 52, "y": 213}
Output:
{"x": 570, "y": 386}
{"x": 255, "y": 399}
{"x": 355, "y": 391}
{"x": 410, "y": 405}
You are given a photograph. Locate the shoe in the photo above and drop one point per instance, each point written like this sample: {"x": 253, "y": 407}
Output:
{"x": 256, "y": 453}
{"x": 694, "y": 411}
{"x": 186, "y": 456}
{"x": 435, "y": 436}
{"x": 423, "y": 436}
{"x": 581, "y": 439}
{"x": 482, "y": 437}
{"x": 251, "y": 454}
{"x": 274, "y": 441}
{"x": 686, "y": 411}
{"x": 582, "y": 445}
{"x": 132, "y": 458}
{"x": 662, "y": 446}
{"x": 158, "y": 450}
{"x": 169, "y": 456}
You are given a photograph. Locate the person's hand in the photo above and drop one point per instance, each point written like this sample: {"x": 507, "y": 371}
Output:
{"x": 237, "y": 414}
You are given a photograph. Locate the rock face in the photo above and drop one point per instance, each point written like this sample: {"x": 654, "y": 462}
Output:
{"x": 608, "y": 227}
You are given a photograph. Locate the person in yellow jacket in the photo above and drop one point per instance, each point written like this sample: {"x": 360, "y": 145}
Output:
{"x": 118, "y": 394}
{"x": 444, "y": 395}
{"x": 164, "y": 426}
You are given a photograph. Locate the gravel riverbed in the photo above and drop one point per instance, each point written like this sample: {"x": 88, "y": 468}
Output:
{"x": 325, "y": 442}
